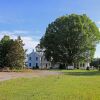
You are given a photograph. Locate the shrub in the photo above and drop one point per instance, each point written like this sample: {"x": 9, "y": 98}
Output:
{"x": 88, "y": 68}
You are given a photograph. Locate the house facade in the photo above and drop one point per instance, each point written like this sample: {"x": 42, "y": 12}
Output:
{"x": 38, "y": 60}
{"x": 84, "y": 65}
{"x": 33, "y": 60}
{"x": 44, "y": 63}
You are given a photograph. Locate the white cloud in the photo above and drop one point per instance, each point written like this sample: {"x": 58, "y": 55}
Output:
{"x": 98, "y": 22}
{"x": 30, "y": 44}
{"x": 29, "y": 41}
{"x": 16, "y": 32}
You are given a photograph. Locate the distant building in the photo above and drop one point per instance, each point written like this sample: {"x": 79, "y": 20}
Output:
{"x": 33, "y": 60}
{"x": 38, "y": 60}
{"x": 44, "y": 63}
{"x": 84, "y": 65}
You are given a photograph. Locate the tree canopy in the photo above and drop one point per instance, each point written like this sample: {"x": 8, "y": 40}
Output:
{"x": 12, "y": 53}
{"x": 70, "y": 38}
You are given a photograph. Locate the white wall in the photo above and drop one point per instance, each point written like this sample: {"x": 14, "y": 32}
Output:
{"x": 33, "y": 60}
{"x": 42, "y": 62}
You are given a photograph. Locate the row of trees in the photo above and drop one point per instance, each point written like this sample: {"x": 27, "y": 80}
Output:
{"x": 70, "y": 39}
{"x": 12, "y": 53}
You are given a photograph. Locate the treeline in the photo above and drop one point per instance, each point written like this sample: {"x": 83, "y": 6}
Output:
{"x": 12, "y": 53}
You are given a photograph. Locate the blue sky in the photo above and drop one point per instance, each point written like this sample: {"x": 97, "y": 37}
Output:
{"x": 29, "y": 18}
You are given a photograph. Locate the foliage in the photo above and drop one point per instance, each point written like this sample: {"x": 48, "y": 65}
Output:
{"x": 5, "y": 44}
{"x": 88, "y": 68}
{"x": 70, "y": 38}
{"x": 38, "y": 48}
{"x": 12, "y": 53}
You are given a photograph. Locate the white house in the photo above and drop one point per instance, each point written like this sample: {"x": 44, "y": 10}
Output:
{"x": 84, "y": 65}
{"x": 33, "y": 60}
{"x": 38, "y": 60}
{"x": 44, "y": 63}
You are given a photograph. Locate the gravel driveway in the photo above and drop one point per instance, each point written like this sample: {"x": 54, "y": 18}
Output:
{"x": 34, "y": 73}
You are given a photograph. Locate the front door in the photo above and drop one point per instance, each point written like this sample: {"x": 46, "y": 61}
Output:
{"x": 37, "y": 65}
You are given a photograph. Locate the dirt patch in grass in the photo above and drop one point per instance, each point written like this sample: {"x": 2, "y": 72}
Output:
{"x": 33, "y": 73}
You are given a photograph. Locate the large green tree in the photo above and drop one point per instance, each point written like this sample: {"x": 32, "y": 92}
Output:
{"x": 70, "y": 39}
{"x": 12, "y": 53}
{"x": 5, "y": 44}
{"x": 16, "y": 55}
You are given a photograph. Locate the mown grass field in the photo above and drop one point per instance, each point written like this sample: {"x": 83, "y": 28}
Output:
{"x": 71, "y": 85}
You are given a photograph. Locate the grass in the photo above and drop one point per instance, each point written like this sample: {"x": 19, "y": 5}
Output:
{"x": 71, "y": 85}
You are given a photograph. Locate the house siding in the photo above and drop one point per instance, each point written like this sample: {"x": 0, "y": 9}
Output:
{"x": 36, "y": 60}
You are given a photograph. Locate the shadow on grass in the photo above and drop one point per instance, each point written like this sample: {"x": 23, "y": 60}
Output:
{"x": 87, "y": 73}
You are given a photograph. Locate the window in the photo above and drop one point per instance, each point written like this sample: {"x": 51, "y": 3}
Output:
{"x": 36, "y": 58}
{"x": 30, "y": 64}
{"x": 29, "y": 58}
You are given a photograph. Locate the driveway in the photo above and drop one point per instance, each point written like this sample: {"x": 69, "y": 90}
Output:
{"x": 34, "y": 73}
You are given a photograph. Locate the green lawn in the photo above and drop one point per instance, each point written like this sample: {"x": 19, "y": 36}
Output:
{"x": 72, "y": 85}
